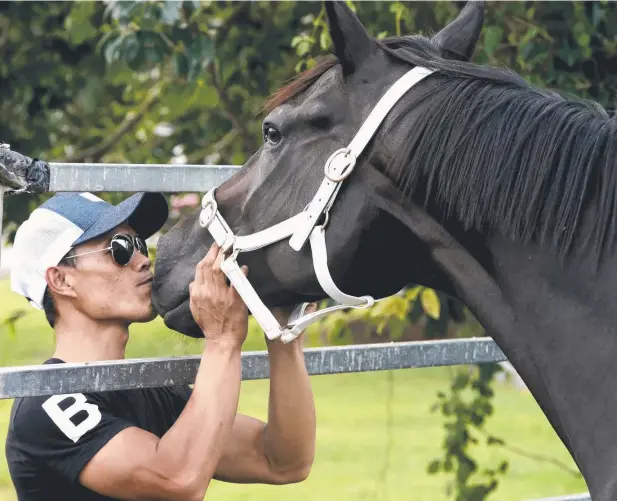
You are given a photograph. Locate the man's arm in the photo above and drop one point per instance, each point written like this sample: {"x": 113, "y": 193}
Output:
{"x": 281, "y": 451}
{"x": 137, "y": 465}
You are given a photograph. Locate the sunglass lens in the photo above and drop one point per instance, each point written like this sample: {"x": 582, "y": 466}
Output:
{"x": 141, "y": 246}
{"x": 121, "y": 250}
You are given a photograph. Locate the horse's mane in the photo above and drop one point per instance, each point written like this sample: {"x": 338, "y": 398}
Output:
{"x": 499, "y": 154}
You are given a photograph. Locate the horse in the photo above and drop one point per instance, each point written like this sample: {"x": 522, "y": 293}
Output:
{"x": 477, "y": 184}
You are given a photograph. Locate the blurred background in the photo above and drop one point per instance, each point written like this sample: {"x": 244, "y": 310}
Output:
{"x": 184, "y": 82}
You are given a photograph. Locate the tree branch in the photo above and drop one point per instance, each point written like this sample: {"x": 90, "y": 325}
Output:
{"x": 129, "y": 123}
{"x": 227, "y": 104}
{"x": 535, "y": 456}
{"x": 215, "y": 149}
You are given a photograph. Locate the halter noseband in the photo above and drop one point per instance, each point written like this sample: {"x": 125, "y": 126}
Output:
{"x": 303, "y": 226}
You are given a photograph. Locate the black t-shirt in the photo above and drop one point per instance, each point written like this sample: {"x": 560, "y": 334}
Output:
{"x": 50, "y": 439}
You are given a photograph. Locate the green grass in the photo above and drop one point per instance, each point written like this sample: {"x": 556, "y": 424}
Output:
{"x": 358, "y": 455}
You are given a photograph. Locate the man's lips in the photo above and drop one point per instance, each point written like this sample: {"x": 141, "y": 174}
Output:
{"x": 146, "y": 280}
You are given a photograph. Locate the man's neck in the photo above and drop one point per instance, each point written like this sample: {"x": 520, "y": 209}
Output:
{"x": 85, "y": 340}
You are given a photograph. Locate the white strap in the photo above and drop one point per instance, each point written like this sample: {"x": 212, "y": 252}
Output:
{"x": 221, "y": 233}
{"x": 323, "y": 199}
{"x": 268, "y": 236}
{"x": 320, "y": 262}
{"x": 262, "y": 314}
{"x": 211, "y": 218}
{"x": 385, "y": 104}
{"x": 295, "y": 325}
{"x": 341, "y": 162}
{"x": 295, "y": 328}
{"x": 297, "y": 322}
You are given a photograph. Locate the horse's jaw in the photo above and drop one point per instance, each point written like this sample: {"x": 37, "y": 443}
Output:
{"x": 181, "y": 320}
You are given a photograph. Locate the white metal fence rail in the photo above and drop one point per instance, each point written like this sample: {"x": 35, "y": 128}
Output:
{"x": 139, "y": 373}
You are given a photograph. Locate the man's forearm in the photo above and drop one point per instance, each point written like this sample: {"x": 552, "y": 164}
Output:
{"x": 290, "y": 432}
{"x": 190, "y": 450}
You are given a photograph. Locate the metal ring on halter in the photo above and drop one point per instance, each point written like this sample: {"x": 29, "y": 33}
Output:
{"x": 207, "y": 213}
{"x": 326, "y": 220}
{"x": 346, "y": 170}
{"x": 209, "y": 208}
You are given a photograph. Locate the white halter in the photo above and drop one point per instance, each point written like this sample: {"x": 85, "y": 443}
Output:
{"x": 303, "y": 226}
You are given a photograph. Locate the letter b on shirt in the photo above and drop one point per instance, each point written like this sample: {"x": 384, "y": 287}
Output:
{"x": 62, "y": 418}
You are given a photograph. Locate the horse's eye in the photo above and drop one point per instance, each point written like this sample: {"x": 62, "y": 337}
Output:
{"x": 271, "y": 135}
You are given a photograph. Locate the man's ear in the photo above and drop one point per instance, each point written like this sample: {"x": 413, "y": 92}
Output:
{"x": 59, "y": 281}
{"x": 459, "y": 38}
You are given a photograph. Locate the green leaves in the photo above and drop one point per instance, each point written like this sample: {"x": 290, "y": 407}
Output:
{"x": 79, "y": 23}
{"x": 199, "y": 55}
{"x": 170, "y": 12}
{"x": 492, "y": 39}
{"x": 465, "y": 413}
{"x": 9, "y": 323}
{"x": 154, "y": 34}
{"x": 399, "y": 10}
{"x": 430, "y": 303}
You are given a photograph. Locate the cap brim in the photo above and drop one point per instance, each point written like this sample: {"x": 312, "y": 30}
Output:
{"x": 146, "y": 213}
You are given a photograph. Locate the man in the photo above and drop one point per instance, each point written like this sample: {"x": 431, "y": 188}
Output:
{"x": 85, "y": 263}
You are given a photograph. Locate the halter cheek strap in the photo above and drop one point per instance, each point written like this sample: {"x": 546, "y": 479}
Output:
{"x": 303, "y": 226}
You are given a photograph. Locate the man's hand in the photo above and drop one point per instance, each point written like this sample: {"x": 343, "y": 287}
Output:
{"x": 217, "y": 307}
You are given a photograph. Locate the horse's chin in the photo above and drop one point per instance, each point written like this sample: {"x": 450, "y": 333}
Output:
{"x": 181, "y": 320}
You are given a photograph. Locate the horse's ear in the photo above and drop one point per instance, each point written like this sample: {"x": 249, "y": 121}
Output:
{"x": 352, "y": 45}
{"x": 458, "y": 39}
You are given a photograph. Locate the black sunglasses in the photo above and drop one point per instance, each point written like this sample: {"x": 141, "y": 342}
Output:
{"x": 122, "y": 248}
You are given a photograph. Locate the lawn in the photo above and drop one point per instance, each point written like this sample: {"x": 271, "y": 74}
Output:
{"x": 359, "y": 455}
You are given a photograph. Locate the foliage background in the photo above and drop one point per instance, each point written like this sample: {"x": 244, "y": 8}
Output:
{"x": 184, "y": 82}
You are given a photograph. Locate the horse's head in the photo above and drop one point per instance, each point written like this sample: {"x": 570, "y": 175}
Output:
{"x": 320, "y": 112}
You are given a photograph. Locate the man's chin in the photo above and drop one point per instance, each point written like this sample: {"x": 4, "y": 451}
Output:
{"x": 145, "y": 316}
{"x": 180, "y": 319}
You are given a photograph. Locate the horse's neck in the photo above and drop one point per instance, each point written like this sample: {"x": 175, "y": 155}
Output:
{"x": 558, "y": 326}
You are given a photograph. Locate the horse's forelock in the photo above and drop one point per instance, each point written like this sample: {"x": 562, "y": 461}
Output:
{"x": 299, "y": 84}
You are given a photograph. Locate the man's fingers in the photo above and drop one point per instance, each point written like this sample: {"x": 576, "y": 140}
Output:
{"x": 217, "y": 277}
{"x": 204, "y": 266}
{"x": 310, "y": 308}
{"x": 217, "y": 263}
{"x": 212, "y": 253}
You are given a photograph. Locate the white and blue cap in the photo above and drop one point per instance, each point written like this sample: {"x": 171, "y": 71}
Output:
{"x": 70, "y": 219}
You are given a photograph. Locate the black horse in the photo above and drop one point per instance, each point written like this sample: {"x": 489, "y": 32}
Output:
{"x": 477, "y": 184}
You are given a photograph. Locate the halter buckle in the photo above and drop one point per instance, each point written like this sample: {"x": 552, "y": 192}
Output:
{"x": 339, "y": 170}
{"x": 207, "y": 214}
{"x": 209, "y": 208}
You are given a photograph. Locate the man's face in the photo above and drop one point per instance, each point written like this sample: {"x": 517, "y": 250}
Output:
{"x": 106, "y": 291}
